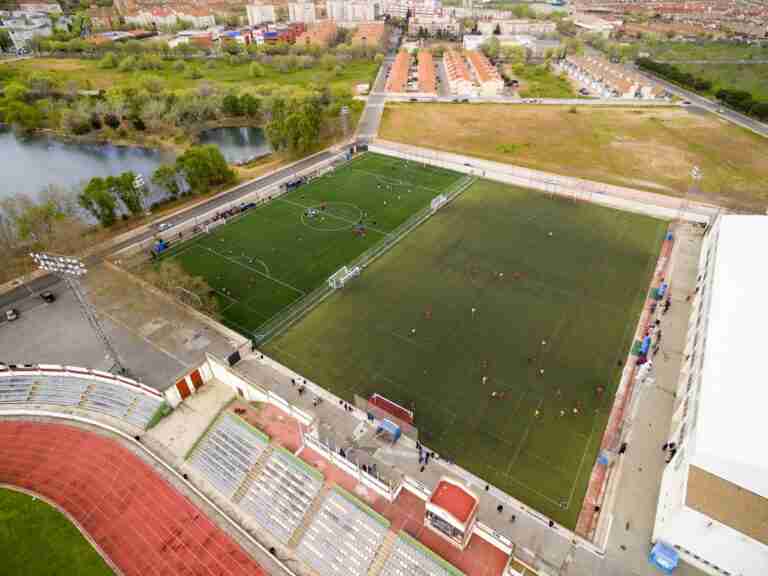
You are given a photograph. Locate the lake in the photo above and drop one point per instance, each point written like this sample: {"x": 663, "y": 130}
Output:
{"x": 238, "y": 144}
{"x": 30, "y": 164}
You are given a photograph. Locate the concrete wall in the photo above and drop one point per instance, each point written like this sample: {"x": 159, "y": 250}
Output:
{"x": 627, "y": 199}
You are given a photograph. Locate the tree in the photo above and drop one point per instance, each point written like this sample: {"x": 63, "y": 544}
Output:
{"x": 108, "y": 61}
{"x": 15, "y": 91}
{"x": 204, "y": 167}
{"x": 97, "y": 200}
{"x": 295, "y": 125}
{"x": 230, "y": 105}
{"x": 491, "y": 48}
{"x": 132, "y": 197}
{"x": 5, "y": 41}
{"x": 250, "y": 105}
{"x": 37, "y": 221}
{"x": 256, "y": 70}
{"x": 165, "y": 177}
{"x": 23, "y": 116}
{"x": 760, "y": 110}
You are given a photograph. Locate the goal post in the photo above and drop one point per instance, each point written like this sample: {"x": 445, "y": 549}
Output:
{"x": 438, "y": 202}
{"x": 379, "y": 408}
{"x": 343, "y": 275}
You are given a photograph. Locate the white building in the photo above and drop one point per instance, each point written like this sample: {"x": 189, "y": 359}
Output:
{"x": 260, "y": 14}
{"x": 713, "y": 504}
{"x": 593, "y": 24}
{"x": 22, "y": 27}
{"x": 44, "y": 7}
{"x": 401, "y": 8}
{"x": 302, "y": 12}
{"x": 199, "y": 18}
{"x": 353, "y": 10}
{"x": 512, "y": 27}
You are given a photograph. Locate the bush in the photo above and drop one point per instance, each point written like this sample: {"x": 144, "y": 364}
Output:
{"x": 112, "y": 121}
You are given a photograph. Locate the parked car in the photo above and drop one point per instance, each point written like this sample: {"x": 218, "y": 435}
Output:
{"x": 48, "y": 296}
{"x": 11, "y": 314}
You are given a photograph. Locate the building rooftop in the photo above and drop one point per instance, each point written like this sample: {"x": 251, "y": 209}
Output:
{"x": 727, "y": 503}
{"x": 454, "y": 499}
{"x": 730, "y": 426}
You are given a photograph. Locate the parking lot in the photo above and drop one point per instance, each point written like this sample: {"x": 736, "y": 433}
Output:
{"x": 156, "y": 339}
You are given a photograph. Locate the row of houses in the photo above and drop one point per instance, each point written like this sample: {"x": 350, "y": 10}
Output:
{"x": 471, "y": 74}
{"x": 406, "y": 78}
{"x": 608, "y": 80}
{"x": 166, "y": 17}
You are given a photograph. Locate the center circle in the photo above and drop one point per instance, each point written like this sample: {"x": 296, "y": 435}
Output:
{"x": 332, "y": 216}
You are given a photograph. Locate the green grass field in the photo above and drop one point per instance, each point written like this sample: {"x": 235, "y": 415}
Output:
{"x": 276, "y": 254}
{"x": 750, "y": 77}
{"x": 566, "y": 304}
{"x": 35, "y": 538}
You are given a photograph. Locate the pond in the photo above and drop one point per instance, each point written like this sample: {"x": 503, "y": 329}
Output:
{"x": 238, "y": 145}
{"x": 29, "y": 164}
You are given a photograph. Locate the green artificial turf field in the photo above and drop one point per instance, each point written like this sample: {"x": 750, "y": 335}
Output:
{"x": 482, "y": 290}
{"x": 277, "y": 253}
{"x": 38, "y": 539}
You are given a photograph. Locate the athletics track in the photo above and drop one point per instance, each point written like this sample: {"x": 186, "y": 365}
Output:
{"x": 138, "y": 521}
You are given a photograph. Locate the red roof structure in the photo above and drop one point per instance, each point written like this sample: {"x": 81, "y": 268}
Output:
{"x": 454, "y": 499}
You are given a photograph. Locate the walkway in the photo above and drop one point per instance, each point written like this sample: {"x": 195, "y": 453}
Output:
{"x": 134, "y": 517}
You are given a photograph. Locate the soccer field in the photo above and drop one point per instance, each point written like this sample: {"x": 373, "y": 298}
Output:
{"x": 275, "y": 254}
{"x": 482, "y": 299}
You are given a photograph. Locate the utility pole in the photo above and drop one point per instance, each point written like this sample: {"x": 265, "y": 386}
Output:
{"x": 71, "y": 270}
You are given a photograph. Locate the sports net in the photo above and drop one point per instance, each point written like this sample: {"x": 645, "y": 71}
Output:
{"x": 380, "y": 408}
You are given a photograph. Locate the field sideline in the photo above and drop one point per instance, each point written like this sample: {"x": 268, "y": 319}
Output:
{"x": 481, "y": 299}
{"x": 277, "y": 253}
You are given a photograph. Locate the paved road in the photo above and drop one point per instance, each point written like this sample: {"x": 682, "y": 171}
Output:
{"x": 517, "y": 100}
{"x": 48, "y": 281}
{"x": 706, "y": 104}
{"x": 762, "y": 61}
{"x": 368, "y": 127}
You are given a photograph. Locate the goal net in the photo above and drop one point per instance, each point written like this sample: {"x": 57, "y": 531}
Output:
{"x": 438, "y": 201}
{"x": 343, "y": 275}
{"x": 379, "y": 408}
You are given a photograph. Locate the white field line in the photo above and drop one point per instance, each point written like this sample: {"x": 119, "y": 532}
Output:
{"x": 227, "y": 258}
{"x": 522, "y": 440}
{"x": 337, "y": 217}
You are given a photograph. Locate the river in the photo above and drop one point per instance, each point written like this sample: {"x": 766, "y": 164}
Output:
{"x": 29, "y": 164}
{"x": 237, "y": 144}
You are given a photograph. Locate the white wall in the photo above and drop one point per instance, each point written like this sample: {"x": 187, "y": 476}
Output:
{"x": 716, "y": 543}
{"x": 596, "y": 192}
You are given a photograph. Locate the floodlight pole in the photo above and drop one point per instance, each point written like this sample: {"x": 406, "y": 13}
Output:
{"x": 71, "y": 270}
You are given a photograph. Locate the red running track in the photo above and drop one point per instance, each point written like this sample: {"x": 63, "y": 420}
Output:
{"x": 137, "y": 519}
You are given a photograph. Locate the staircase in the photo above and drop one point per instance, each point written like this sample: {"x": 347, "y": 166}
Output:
{"x": 130, "y": 408}
{"x": 308, "y": 517}
{"x": 252, "y": 475}
{"x": 382, "y": 554}
{"x": 85, "y": 394}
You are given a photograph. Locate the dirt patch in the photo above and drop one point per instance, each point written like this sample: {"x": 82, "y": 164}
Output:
{"x": 652, "y": 148}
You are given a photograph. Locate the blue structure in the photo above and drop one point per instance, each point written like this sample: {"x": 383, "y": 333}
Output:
{"x": 645, "y": 346}
{"x": 390, "y": 428}
{"x": 664, "y": 557}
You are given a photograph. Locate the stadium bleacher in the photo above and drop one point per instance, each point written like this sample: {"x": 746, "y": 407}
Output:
{"x": 411, "y": 558}
{"x": 343, "y": 537}
{"x": 282, "y": 494}
{"x": 68, "y": 389}
{"x": 227, "y": 452}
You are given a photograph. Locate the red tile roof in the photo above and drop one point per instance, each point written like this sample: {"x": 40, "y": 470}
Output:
{"x": 454, "y": 499}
